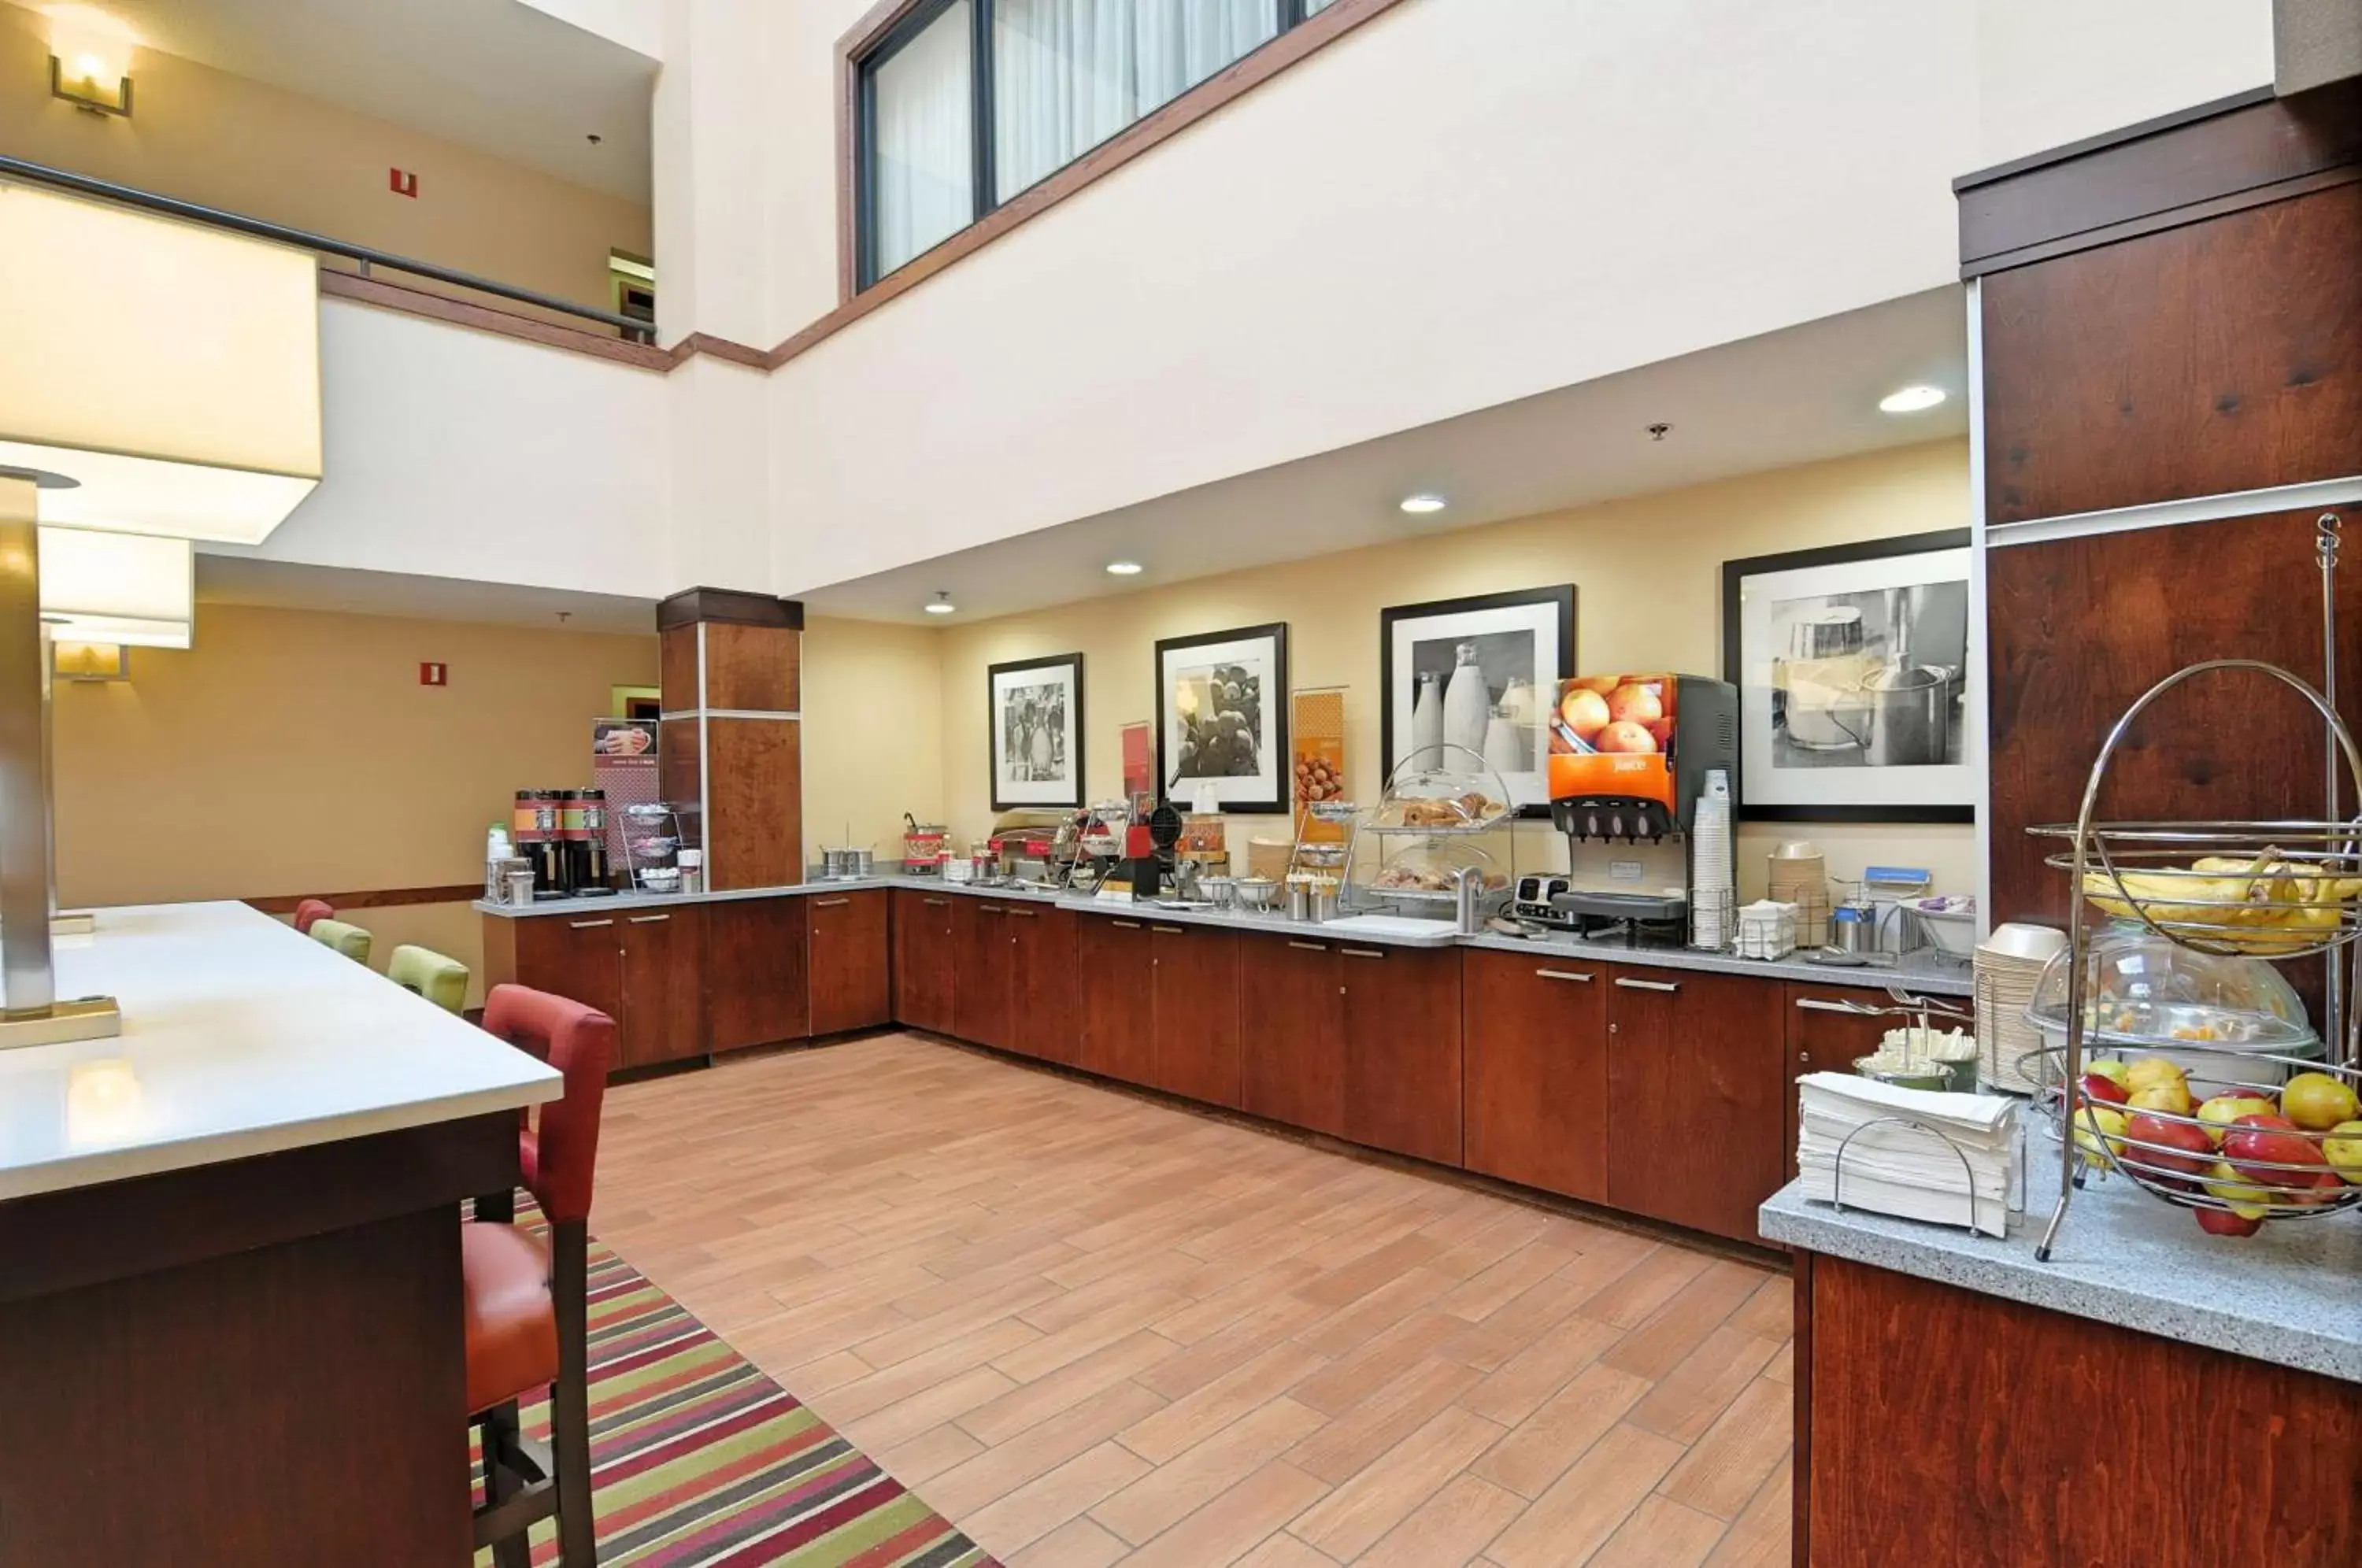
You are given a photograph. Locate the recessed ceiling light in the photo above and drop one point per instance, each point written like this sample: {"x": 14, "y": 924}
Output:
{"x": 1124, "y": 569}
{"x": 943, "y": 605}
{"x": 1911, "y": 400}
{"x": 1420, "y": 504}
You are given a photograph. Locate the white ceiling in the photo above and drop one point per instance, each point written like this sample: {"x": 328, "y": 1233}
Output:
{"x": 499, "y": 76}
{"x": 289, "y": 585}
{"x": 1801, "y": 395}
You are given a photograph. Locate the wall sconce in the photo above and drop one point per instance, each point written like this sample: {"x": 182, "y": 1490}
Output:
{"x": 90, "y": 61}
{"x": 91, "y": 661}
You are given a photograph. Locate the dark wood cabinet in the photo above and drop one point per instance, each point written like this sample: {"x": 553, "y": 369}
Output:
{"x": 1116, "y": 1032}
{"x": 1292, "y": 1032}
{"x": 1535, "y": 1058}
{"x": 980, "y": 971}
{"x": 756, "y": 951}
{"x": 1196, "y": 1005}
{"x": 924, "y": 964}
{"x": 1695, "y": 1082}
{"x": 579, "y": 957}
{"x": 1401, "y": 1022}
{"x": 664, "y": 986}
{"x": 849, "y": 980}
{"x": 1041, "y": 990}
{"x": 1823, "y": 1037}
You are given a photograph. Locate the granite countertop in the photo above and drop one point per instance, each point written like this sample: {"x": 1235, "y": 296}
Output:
{"x": 2290, "y": 1294}
{"x": 1917, "y": 973}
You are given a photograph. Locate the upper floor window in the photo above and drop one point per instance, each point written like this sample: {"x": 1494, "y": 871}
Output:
{"x": 964, "y": 104}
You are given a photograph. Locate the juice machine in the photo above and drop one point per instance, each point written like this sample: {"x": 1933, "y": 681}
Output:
{"x": 1628, "y": 759}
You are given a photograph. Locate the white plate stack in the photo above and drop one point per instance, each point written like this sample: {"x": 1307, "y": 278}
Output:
{"x": 1713, "y": 883}
{"x": 2007, "y": 964}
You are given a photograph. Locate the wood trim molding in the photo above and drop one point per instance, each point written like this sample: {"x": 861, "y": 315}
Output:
{"x": 2183, "y": 171}
{"x": 1307, "y": 37}
{"x": 705, "y": 343}
{"x": 486, "y": 318}
{"x": 732, "y": 605}
{"x": 372, "y": 898}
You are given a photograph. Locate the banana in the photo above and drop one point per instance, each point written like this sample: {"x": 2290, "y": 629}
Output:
{"x": 2264, "y": 905}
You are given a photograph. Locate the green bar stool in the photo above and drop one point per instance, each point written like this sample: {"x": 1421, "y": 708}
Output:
{"x": 351, "y": 941}
{"x": 441, "y": 980}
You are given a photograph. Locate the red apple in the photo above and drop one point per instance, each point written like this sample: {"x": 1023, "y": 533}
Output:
{"x": 1635, "y": 703}
{"x": 2178, "y": 1148}
{"x": 2255, "y": 1144}
{"x": 2106, "y": 1089}
{"x": 2223, "y": 1222}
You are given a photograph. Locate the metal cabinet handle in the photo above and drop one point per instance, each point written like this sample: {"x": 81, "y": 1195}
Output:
{"x": 1361, "y": 953}
{"x": 1563, "y": 975}
{"x": 645, "y": 920}
{"x": 936, "y": 903}
{"x": 830, "y": 903}
{"x": 1632, "y": 985}
{"x": 1021, "y": 914}
{"x": 1168, "y": 930}
{"x": 989, "y": 908}
{"x": 589, "y": 924}
{"x": 1310, "y": 946}
{"x": 1814, "y": 1004}
{"x": 1125, "y": 925}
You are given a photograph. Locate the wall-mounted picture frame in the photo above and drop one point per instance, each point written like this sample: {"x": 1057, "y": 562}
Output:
{"x": 1034, "y": 717}
{"x": 1479, "y": 673}
{"x": 1221, "y": 718}
{"x": 1854, "y": 665}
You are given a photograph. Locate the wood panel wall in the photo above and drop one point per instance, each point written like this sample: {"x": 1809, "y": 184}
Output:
{"x": 731, "y": 664}
{"x": 2210, "y": 343}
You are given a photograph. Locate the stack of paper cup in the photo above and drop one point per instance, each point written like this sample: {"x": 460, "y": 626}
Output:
{"x": 1714, "y": 894}
{"x": 1800, "y": 876}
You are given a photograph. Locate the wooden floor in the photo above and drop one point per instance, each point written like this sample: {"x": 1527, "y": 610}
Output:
{"x": 1091, "y": 1328}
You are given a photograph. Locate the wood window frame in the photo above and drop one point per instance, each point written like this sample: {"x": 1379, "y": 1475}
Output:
{"x": 1300, "y": 36}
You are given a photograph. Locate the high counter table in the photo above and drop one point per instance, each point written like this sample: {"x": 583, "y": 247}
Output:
{"x": 229, "y": 1262}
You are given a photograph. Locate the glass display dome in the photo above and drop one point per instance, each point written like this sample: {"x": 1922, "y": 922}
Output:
{"x": 2142, "y": 992}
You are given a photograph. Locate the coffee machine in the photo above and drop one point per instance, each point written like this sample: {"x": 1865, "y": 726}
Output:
{"x": 1628, "y": 760}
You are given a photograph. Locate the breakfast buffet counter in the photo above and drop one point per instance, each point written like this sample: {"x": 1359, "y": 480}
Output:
{"x": 1920, "y": 973}
{"x": 2150, "y": 1395}
{"x": 2287, "y": 1294}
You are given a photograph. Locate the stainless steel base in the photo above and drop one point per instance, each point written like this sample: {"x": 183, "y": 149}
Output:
{"x": 91, "y": 1018}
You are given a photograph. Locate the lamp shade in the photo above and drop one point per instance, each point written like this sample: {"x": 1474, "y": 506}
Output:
{"x": 172, "y": 370}
{"x": 134, "y": 589}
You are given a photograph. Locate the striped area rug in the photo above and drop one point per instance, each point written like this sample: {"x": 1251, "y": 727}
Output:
{"x": 699, "y": 1460}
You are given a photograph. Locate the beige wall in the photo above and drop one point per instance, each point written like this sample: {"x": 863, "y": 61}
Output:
{"x": 1647, "y": 574}
{"x": 208, "y": 137}
{"x": 873, "y": 731}
{"x": 295, "y": 752}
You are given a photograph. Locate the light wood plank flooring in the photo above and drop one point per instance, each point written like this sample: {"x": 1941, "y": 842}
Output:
{"x": 1091, "y": 1328}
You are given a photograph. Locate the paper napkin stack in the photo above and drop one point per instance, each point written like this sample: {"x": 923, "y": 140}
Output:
{"x": 1894, "y": 1169}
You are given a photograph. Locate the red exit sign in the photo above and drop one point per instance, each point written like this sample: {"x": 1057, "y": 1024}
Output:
{"x": 405, "y": 181}
{"x": 434, "y": 675}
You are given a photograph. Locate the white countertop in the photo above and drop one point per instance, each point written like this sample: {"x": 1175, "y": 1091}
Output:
{"x": 240, "y": 1037}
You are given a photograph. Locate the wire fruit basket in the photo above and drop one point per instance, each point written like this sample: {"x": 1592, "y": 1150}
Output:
{"x": 2236, "y": 891}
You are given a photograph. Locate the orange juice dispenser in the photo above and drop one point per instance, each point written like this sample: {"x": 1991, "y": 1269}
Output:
{"x": 1628, "y": 754}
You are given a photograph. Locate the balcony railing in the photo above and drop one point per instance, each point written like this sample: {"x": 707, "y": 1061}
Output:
{"x": 369, "y": 259}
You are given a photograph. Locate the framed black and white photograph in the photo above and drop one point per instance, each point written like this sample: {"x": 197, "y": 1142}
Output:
{"x": 1222, "y": 713}
{"x": 1036, "y": 707}
{"x": 1853, "y": 664}
{"x": 1479, "y": 673}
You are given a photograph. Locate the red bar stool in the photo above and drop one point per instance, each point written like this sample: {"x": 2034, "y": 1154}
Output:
{"x": 526, "y": 1299}
{"x": 309, "y": 909}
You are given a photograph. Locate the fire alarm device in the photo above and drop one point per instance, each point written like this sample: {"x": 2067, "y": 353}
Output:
{"x": 404, "y": 181}
{"x": 434, "y": 675}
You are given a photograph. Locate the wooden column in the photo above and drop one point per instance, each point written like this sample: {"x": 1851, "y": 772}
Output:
{"x": 732, "y": 741}
{"x": 2168, "y": 316}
